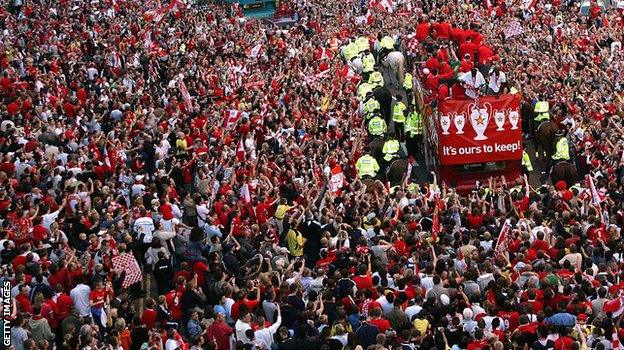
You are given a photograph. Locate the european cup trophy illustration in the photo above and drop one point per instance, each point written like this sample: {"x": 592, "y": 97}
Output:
{"x": 459, "y": 121}
{"x": 499, "y": 119}
{"x": 445, "y": 123}
{"x": 514, "y": 118}
{"x": 479, "y": 118}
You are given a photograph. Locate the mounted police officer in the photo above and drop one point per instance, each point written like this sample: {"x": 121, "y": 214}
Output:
{"x": 367, "y": 167}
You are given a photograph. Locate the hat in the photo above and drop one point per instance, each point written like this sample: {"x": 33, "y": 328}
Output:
{"x": 582, "y": 317}
{"x": 444, "y": 299}
{"x": 283, "y": 250}
{"x": 612, "y": 305}
{"x": 218, "y": 309}
{"x": 561, "y": 186}
{"x": 139, "y": 177}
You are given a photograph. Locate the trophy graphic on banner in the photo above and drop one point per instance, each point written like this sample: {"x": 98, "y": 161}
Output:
{"x": 445, "y": 123}
{"x": 514, "y": 118}
{"x": 479, "y": 118}
{"x": 499, "y": 119}
{"x": 459, "y": 121}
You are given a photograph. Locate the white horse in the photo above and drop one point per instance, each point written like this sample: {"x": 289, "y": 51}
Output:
{"x": 396, "y": 62}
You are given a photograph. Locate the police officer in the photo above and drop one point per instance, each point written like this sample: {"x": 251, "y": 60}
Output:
{"x": 398, "y": 116}
{"x": 562, "y": 150}
{"x": 391, "y": 149}
{"x": 364, "y": 89}
{"x": 413, "y": 131}
{"x": 367, "y": 166}
{"x": 350, "y": 51}
{"x": 527, "y": 167}
{"x": 541, "y": 110}
{"x": 368, "y": 64}
{"x": 362, "y": 44}
{"x": 377, "y": 126}
{"x": 376, "y": 79}
{"x": 408, "y": 83}
{"x": 371, "y": 106}
{"x": 387, "y": 45}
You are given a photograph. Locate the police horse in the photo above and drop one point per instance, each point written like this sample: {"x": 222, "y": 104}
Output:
{"x": 395, "y": 61}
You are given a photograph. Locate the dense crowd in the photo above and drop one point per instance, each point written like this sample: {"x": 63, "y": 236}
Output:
{"x": 196, "y": 148}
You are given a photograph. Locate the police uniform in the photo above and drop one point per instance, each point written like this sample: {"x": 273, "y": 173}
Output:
{"x": 527, "y": 167}
{"x": 377, "y": 126}
{"x": 368, "y": 65}
{"x": 408, "y": 84}
{"x": 364, "y": 89}
{"x": 398, "y": 116}
{"x": 562, "y": 150}
{"x": 362, "y": 44}
{"x": 371, "y": 107}
{"x": 413, "y": 132}
{"x": 541, "y": 108}
{"x": 376, "y": 79}
{"x": 391, "y": 149}
{"x": 367, "y": 166}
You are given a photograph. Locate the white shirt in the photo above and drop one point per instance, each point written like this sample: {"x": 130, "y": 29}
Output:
{"x": 202, "y": 212}
{"x": 472, "y": 84}
{"x": 169, "y": 225}
{"x": 145, "y": 225}
{"x": 138, "y": 189}
{"x": 497, "y": 81}
{"x": 241, "y": 327}
{"x": 386, "y": 307}
{"x": 80, "y": 296}
{"x": 48, "y": 219}
{"x": 412, "y": 311}
{"x": 427, "y": 282}
{"x": 227, "y": 305}
{"x": 265, "y": 335}
{"x": 172, "y": 344}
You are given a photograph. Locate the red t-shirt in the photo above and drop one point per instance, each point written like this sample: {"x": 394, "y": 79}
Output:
{"x": 382, "y": 324}
{"x": 167, "y": 211}
{"x": 522, "y": 205}
{"x": 510, "y": 318}
{"x": 363, "y": 282}
{"x": 149, "y": 317}
{"x": 64, "y": 303}
{"x": 23, "y": 303}
{"x": 98, "y": 297}
{"x": 200, "y": 270}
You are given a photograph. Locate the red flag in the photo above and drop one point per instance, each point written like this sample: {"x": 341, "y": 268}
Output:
{"x": 502, "y": 243}
{"x": 323, "y": 53}
{"x": 231, "y": 117}
{"x": 109, "y": 158}
{"x": 127, "y": 262}
{"x": 597, "y": 197}
{"x": 337, "y": 179}
{"x": 245, "y": 193}
{"x": 255, "y": 51}
{"x": 185, "y": 95}
{"x": 529, "y": 4}
{"x": 435, "y": 228}
{"x": 240, "y": 150}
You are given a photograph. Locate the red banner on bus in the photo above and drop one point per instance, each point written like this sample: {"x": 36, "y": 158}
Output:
{"x": 478, "y": 131}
